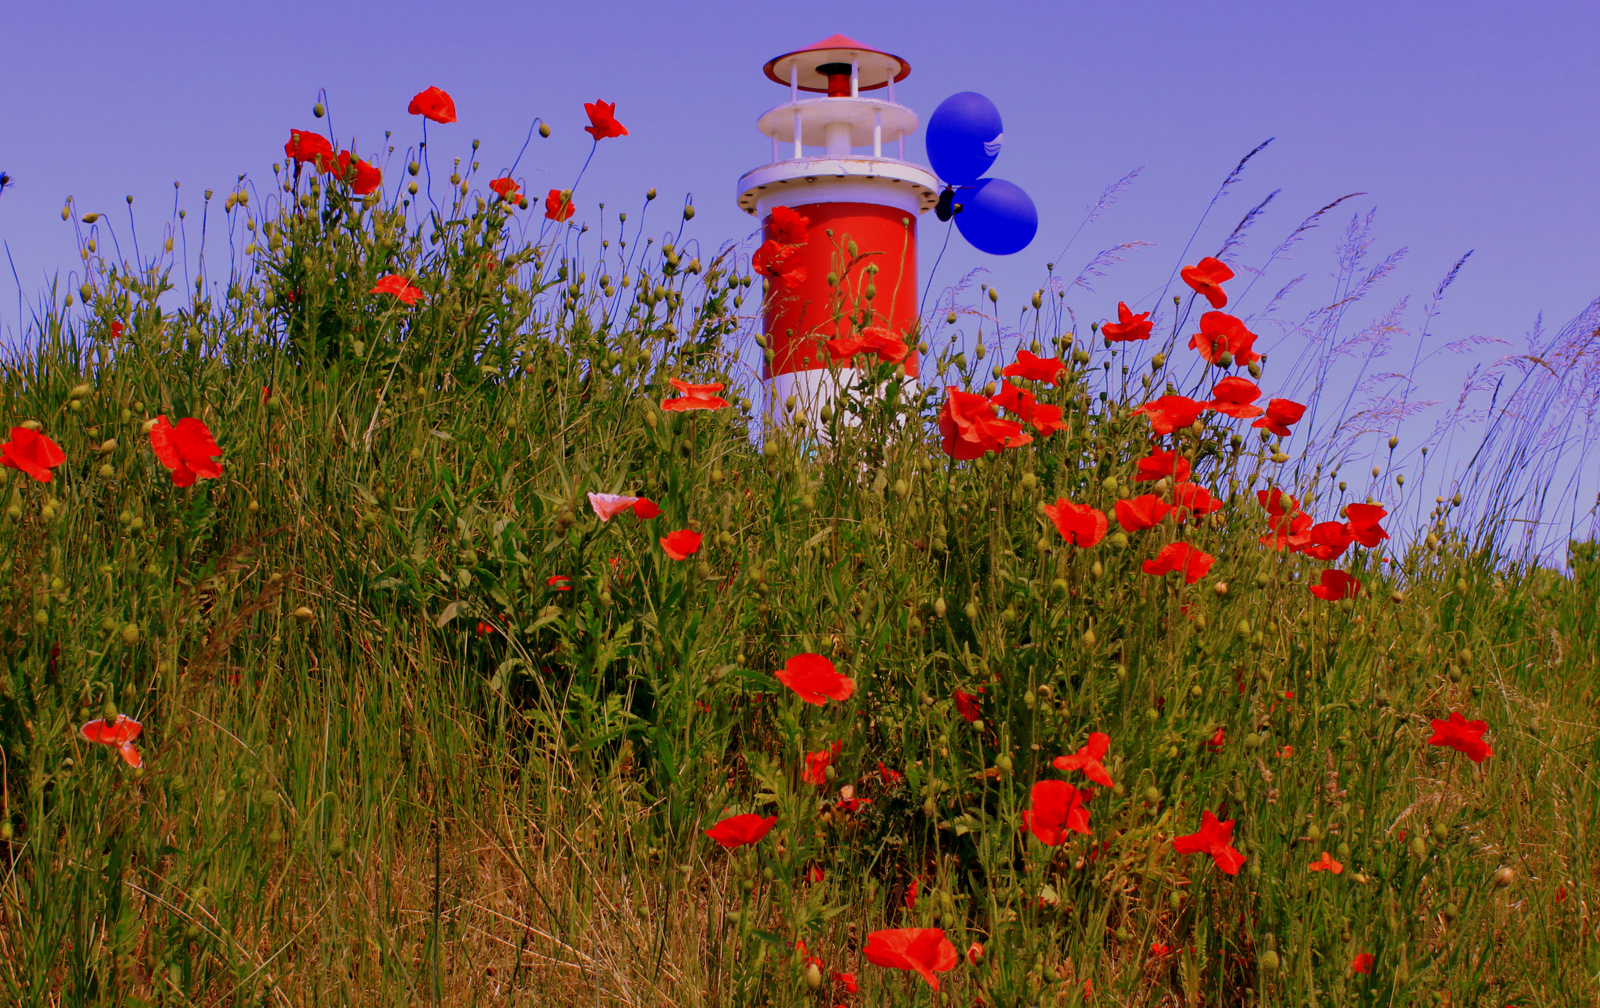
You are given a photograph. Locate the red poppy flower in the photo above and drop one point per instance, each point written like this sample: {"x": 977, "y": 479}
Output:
{"x": 967, "y": 706}
{"x": 1057, "y": 809}
{"x": 1363, "y": 523}
{"x": 817, "y": 764}
{"x": 1035, "y": 368}
{"x": 1087, "y": 759}
{"x": 682, "y": 544}
{"x": 1218, "y": 739}
{"x": 787, "y": 227}
{"x": 603, "y": 121}
{"x": 1362, "y": 963}
{"x": 1328, "y": 541}
{"x": 814, "y": 679}
{"x": 1292, "y": 532}
{"x": 911, "y": 893}
{"x": 889, "y": 776}
{"x": 1326, "y": 863}
{"x": 1222, "y": 333}
{"x": 507, "y": 189}
{"x": 694, "y": 397}
{"x": 1277, "y": 502}
{"x": 1233, "y": 396}
{"x": 925, "y": 951}
{"x": 433, "y": 104}
{"x": 1079, "y": 524}
{"x": 116, "y": 329}
{"x": 736, "y": 831}
{"x": 1158, "y": 950}
{"x": 607, "y": 506}
{"x": 1207, "y": 277}
{"x": 776, "y": 262}
{"x": 119, "y": 732}
{"x": 558, "y": 205}
{"x": 1193, "y": 499}
{"x": 847, "y": 981}
{"x": 32, "y": 453}
{"x": 842, "y": 348}
{"x": 187, "y": 450}
{"x": 1161, "y": 464}
{"x": 1014, "y": 400}
{"x": 399, "y": 286}
{"x": 484, "y": 629}
{"x": 974, "y": 953}
{"x": 874, "y": 339}
{"x": 362, "y": 177}
{"x": 1128, "y": 326}
{"x": 1180, "y": 556}
{"x": 644, "y": 507}
{"x": 559, "y": 581}
{"x": 1462, "y": 735}
{"x": 1044, "y": 418}
{"x": 1336, "y": 585}
{"x": 1142, "y": 512}
{"x": 305, "y": 146}
{"x": 889, "y": 347}
{"x": 1214, "y": 838}
{"x": 971, "y": 428}
{"x": 1280, "y": 414}
{"x": 1170, "y": 412}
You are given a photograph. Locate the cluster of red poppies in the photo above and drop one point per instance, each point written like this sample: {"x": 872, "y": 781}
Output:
{"x": 1297, "y": 532}
{"x": 972, "y": 428}
{"x": 315, "y": 149}
{"x": 186, "y": 449}
{"x": 436, "y": 105}
{"x": 775, "y": 259}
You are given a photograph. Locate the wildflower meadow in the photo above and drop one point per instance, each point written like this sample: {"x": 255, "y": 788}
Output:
{"x": 414, "y": 602}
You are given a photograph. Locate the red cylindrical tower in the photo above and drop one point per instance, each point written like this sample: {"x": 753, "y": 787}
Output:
{"x": 853, "y": 265}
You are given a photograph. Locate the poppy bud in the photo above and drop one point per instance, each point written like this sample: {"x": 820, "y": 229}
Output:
{"x": 1117, "y": 540}
{"x": 1038, "y": 298}
{"x": 813, "y": 975}
{"x": 972, "y": 610}
{"x": 939, "y": 607}
{"x": 688, "y": 212}
{"x": 544, "y": 130}
{"x": 1089, "y": 639}
{"x": 980, "y": 351}
{"x": 303, "y": 614}
{"x": 790, "y": 403}
{"x": 1268, "y": 961}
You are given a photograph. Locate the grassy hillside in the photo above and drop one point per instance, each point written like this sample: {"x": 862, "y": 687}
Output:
{"x": 419, "y": 727}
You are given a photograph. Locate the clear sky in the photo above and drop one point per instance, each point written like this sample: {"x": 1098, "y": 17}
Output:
{"x": 1468, "y": 125}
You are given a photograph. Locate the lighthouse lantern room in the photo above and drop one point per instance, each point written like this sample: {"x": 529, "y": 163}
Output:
{"x": 855, "y": 266}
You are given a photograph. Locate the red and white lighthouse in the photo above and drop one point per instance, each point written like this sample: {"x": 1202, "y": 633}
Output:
{"x": 838, "y": 159}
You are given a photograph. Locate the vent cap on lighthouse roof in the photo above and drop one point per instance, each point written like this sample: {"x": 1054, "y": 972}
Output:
{"x": 876, "y": 68}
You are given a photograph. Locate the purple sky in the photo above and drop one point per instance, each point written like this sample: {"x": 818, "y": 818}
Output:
{"x": 1470, "y": 129}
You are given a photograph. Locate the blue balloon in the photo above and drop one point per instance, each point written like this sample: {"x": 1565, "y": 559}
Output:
{"x": 963, "y": 138}
{"x": 996, "y": 217}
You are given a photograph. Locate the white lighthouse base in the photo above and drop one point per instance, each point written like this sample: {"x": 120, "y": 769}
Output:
{"x": 814, "y": 389}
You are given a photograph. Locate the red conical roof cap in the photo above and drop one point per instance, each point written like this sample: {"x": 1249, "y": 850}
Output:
{"x": 875, "y": 67}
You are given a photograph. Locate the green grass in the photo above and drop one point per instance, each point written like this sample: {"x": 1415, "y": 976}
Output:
{"x": 351, "y": 795}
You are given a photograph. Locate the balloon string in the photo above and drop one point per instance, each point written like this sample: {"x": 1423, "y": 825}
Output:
{"x": 923, "y": 305}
